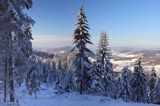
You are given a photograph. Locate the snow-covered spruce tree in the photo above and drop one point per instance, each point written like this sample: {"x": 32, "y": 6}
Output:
{"x": 45, "y": 73}
{"x": 139, "y": 83}
{"x": 104, "y": 52}
{"x": 32, "y": 79}
{"x": 33, "y": 83}
{"x": 125, "y": 91}
{"x": 96, "y": 80}
{"x": 104, "y": 70}
{"x": 71, "y": 66}
{"x": 156, "y": 92}
{"x": 22, "y": 45}
{"x": 59, "y": 79}
{"x": 65, "y": 79}
{"x": 71, "y": 60}
{"x": 81, "y": 38}
{"x": 116, "y": 87}
{"x": 69, "y": 79}
{"x": 51, "y": 73}
{"x": 14, "y": 24}
{"x": 6, "y": 48}
{"x": 53, "y": 67}
{"x": 152, "y": 82}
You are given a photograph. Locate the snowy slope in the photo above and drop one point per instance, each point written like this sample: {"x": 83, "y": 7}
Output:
{"x": 47, "y": 97}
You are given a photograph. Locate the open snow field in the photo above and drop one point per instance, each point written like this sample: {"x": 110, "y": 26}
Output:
{"x": 47, "y": 97}
{"x": 122, "y": 58}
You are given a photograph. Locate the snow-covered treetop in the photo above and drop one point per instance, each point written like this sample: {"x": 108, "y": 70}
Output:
{"x": 81, "y": 34}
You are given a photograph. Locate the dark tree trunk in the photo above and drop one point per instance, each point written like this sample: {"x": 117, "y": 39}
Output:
{"x": 5, "y": 79}
{"x": 11, "y": 81}
{"x": 81, "y": 86}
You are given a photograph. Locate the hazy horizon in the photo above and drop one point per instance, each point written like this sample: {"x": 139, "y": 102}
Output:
{"x": 61, "y": 41}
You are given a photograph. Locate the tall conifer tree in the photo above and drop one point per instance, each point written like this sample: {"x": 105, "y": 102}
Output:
{"x": 81, "y": 38}
{"x": 103, "y": 52}
{"x": 15, "y": 30}
{"x": 104, "y": 70}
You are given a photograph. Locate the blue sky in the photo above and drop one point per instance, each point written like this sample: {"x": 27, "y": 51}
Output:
{"x": 129, "y": 23}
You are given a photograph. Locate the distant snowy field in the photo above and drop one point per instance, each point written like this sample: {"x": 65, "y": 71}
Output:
{"x": 122, "y": 58}
{"x": 47, "y": 97}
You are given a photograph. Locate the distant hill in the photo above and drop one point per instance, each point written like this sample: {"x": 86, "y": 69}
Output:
{"x": 121, "y": 56}
{"x": 55, "y": 50}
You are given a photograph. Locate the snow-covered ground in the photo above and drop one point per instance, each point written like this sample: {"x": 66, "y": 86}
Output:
{"x": 47, "y": 97}
{"x": 126, "y": 54}
{"x": 128, "y": 58}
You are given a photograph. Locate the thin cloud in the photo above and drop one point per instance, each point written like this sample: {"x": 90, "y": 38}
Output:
{"x": 51, "y": 41}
